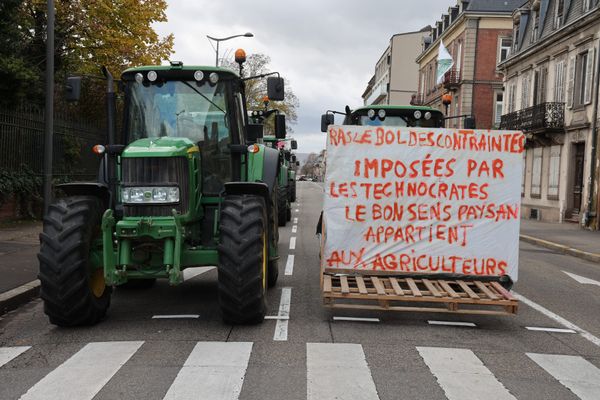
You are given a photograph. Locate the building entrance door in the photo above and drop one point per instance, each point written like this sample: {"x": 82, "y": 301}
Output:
{"x": 578, "y": 178}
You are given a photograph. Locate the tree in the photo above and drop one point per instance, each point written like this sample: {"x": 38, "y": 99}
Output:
{"x": 256, "y": 89}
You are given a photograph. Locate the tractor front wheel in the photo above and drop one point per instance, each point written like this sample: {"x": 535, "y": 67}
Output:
{"x": 243, "y": 259}
{"x": 73, "y": 291}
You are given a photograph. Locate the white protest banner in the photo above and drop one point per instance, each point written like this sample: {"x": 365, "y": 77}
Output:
{"x": 422, "y": 200}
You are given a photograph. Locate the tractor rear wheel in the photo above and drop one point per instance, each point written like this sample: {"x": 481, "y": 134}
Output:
{"x": 282, "y": 206}
{"x": 293, "y": 191}
{"x": 243, "y": 259}
{"x": 73, "y": 292}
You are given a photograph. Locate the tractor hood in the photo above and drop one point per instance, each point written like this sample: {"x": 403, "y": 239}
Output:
{"x": 159, "y": 147}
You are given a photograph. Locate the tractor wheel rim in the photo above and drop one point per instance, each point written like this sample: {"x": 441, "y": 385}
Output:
{"x": 97, "y": 283}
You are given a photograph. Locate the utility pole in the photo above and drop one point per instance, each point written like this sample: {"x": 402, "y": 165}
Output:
{"x": 49, "y": 109}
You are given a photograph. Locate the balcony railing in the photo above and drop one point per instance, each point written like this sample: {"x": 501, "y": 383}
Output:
{"x": 452, "y": 79}
{"x": 543, "y": 116}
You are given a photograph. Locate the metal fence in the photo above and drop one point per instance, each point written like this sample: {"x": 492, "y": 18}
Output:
{"x": 22, "y": 143}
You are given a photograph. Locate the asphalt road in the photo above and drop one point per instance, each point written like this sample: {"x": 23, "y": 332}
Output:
{"x": 130, "y": 355}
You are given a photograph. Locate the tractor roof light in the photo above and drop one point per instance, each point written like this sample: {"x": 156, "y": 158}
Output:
{"x": 417, "y": 114}
{"x": 198, "y": 75}
{"x": 381, "y": 114}
{"x": 152, "y": 76}
{"x": 371, "y": 114}
{"x": 139, "y": 78}
{"x": 240, "y": 56}
{"x": 428, "y": 115}
{"x": 213, "y": 77}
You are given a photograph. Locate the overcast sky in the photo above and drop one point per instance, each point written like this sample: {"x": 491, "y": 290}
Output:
{"x": 327, "y": 49}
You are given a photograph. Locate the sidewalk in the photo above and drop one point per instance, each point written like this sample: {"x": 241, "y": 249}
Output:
{"x": 19, "y": 245}
{"x": 566, "y": 238}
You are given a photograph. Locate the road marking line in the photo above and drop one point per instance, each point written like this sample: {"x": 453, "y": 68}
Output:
{"x": 574, "y": 372}
{"x": 293, "y": 243}
{"x": 176, "y": 316}
{"x": 295, "y": 220}
{"x": 193, "y": 272}
{"x": 558, "y": 318}
{"x": 281, "y": 328}
{"x": 355, "y": 319}
{"x": 338, "y": 371}
{"x": 289, "y": 265}
{"x": 451, "y": 323}
{"x": 462, "y": 375}
{"x": 212, "y": 371}
{"x": 84, "y": 374}
{"x": 294, "y": 228}
{"x": 9, "y": 353}
{"x": 582, "y": 279}
{"x": 297, "y": 210}
{"x": 557, "y": 330}
{"x": 277, "y": 317}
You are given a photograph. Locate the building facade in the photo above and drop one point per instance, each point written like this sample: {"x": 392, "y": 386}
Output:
{"x": 551, "y": 93}
{"x": 396, "y": 73}
{"x": 478, "y": 35}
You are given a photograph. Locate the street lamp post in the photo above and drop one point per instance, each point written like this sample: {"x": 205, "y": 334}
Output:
{"x": 247, "y": 34}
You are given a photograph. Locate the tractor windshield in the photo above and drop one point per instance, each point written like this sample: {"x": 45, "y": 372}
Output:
{"x": 177, "y": 108}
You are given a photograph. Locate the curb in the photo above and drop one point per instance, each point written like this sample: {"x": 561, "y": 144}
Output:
{"x": 593, "y": 257}
{"x": 19, "y": 296}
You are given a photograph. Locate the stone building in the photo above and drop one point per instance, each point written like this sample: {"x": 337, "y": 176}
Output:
{"x": 551, "y": 93}
{"x": 478, "y": 35}
{"x": 396, "y": 73}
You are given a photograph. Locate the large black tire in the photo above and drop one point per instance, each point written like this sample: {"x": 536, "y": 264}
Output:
{"x": 273, "y": 267}
{"x": 72, "y": 292}
{"x": 282, "y": 205}
{"x": 288, "y": 214}
{"x": 293, "y": 191}
{"x": 243, "y": 259}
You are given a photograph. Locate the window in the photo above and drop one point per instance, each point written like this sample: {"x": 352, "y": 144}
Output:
{"x": 587, "y": 5}
{"x": 536, "y": 25}
{"x": 458, "y": 57}
{"x": 539, "y": 86}
{"x": 536, "y": 173}
{"x": 559, "y": 14}
{"x": 516, "y": 37}
{"x": 512, "y": 90}
{"x": 498, "y": 109}
{"x": 559, "y": 81}
{"x": 505, "y": 45}
{"x": 554, "y": 172}
{"x": 525, "y": 91}
{"x": 583, "y": 79}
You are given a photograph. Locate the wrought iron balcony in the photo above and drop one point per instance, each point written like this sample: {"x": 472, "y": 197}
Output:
{"x": 452, "y": 79}
{"x": 541, "y": 117}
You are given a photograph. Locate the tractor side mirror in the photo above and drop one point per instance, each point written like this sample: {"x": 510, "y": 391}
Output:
{"x": 326, "y": 120}
{"x": 275, "y": 88}
{"x": 297, "y": 163}
{"x": 469, "y": 123}
{"x": 293, "y": 158}
{"x": 73, "y": 88}
{"x": 280, "y": 126}
{"x": 294, "y": 145}
{"x": 254, "y": 132}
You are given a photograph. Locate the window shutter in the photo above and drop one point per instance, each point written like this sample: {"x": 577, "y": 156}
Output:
{"x": 589, "y": 76}
{"x": 571, "y": 83}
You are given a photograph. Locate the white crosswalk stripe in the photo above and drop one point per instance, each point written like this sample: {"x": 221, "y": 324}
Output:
{"x": 213, "y": 371}
{"x": 462, "y": 375}
{"x": 574, "y": 372}
{"x": 85, "y": 373}
{"x": 7, "y": 354}
{"x": 338, "y": 371}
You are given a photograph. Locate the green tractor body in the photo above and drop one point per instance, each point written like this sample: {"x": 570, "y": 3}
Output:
{"x": 185, "y": 189}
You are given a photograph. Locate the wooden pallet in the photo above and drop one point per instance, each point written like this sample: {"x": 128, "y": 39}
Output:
{"x": 397, "y": 293}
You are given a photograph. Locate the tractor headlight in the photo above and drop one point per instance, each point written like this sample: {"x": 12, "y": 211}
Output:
{"x": 150, "y": 195}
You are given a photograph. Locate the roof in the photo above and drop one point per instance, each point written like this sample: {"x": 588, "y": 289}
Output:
{"x": 203, "y": 68}
{"x": 493, "y": 5}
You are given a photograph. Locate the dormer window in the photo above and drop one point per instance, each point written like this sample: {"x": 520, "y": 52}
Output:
{"x": 536, "y": 25}
{"x": 559, "y": 14}
{"x": 515, "y": 37}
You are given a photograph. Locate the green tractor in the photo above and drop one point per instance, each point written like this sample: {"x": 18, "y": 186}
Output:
{"x": 187, "y": 187}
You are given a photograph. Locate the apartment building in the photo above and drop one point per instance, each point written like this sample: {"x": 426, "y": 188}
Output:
{"x": 551, "y": 93}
